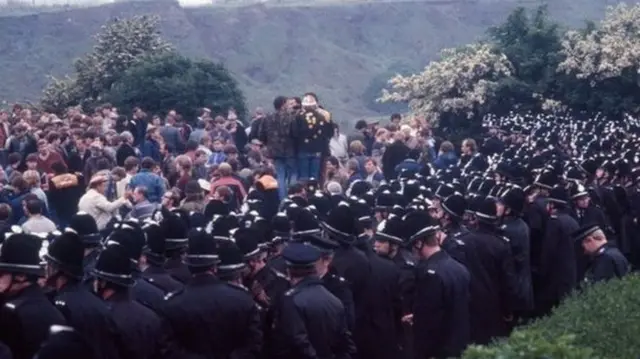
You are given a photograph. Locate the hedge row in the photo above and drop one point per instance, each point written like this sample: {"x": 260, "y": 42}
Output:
{"x": 601, "y": 322}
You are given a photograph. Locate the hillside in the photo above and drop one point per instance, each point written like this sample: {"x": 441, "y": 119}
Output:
{"x": 333, "y": 50}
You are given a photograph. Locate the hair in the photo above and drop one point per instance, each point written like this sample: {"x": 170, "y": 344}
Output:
{"x": 5, "y": 211}
{"x": 356, "y": 147}
{"x": 334, "y": 161}
{"x": 205, "y": 139}
{"x": 175, "y": 196}
{"x": 103, "y": 164}
{"x": 59, "y": 167}
{"x": 33, "y": 205}
{"x": 148, "y": 163}
{"x": 279, "y": 102}
{"x": 126, "y": 135}
{"x": 353, "y": 165}
{"x": 361, "y": 124}
{"x": 396, "y": 116}
{"x": 225, "y": 169}
{"x": 334, "y": 187}
{"x": 372, "y": 160}
{"x": 184, "y": 162}
{"x": 31, "y": 177}
{"x": 191, "y": 145}
{"x": 225, "y": 193}
{"x": 119, "y": 171}
{"x": 446, "y": 147}
{"x": 230, "y": 149}
{"x": 142, "y": 190}
{"x": 52, "y": 137}
{"x": 471, "y": 143}
{"x": 32, "y": 158}
{"x": 131, "y": 163}
{"x": 295, "y": 188}
{"x": 14, "y": 158}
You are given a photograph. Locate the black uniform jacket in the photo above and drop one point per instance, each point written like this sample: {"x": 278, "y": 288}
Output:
{"x": 441, "y": 309}
{"x": 214, "y": 319}
{"x": 89, "y": 315}
{"x": 608, "y": 263}
{"x": 159, "y": 277}
{"x": 310, "y": 323}
{"x": 25, "y": 320}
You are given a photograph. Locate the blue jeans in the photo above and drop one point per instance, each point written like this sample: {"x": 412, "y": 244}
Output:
{"x": 286, "y": 173}
{"x": 308, "y": 165}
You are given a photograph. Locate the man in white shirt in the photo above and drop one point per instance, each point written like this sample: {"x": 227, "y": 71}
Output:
{"x": 131, "y": 166}
{"x": 36, "y": 222}
{"x": 97, "y": 205}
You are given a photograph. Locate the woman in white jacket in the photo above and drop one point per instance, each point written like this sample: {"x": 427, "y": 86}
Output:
{"x": 97, "y": 205}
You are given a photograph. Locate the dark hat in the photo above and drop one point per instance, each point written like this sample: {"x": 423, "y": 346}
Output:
{"x": 390, "y": 230}
{"x": 311, "y": 185}
{"x": 281, "y": 227}
{"x": 305, "y": 224}
{"x": 514, "y": 198}
{"x": 201, "y": 251}
{"x": 487, "y": 211}
{"x": 559, "y": 195}
{"x": 358, "y": 188}
{"x": 231, "y": 257}
{"x": 67, "y": 253}
{"x": 114, "y": 265}
{"x": 216, "y": 207}
{"x": 192, "y": 187}
{"x": 341, "y": 223}
{"x": 419, "y": 224}
{"x": 156, "y": 243}
{"x": 247, "y": 241}
{"x": 546, "y": 180}
{"x": 175, "y": 229}
{"x": 20, "y": 254}
{"x": 131, "y": 242}
{"x": 384, "y": 201}
{"x": 301, "y": 255}
{"x": 454, "y": 205}
{"x": 578, "y": 191}
{"x": 86, "y": 227}
{"x": 222, "y": 226}
{"x": 444, "y": 191}
{"x": 65, "y": 342}
{"x": 584, "y": 232}
{"x": 322, "y": 204}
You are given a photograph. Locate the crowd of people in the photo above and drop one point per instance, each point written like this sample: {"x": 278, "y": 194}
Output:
{"x": 147, "y": 237}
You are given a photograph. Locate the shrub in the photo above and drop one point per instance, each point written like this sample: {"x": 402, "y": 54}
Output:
{"x": 600, "y": 322}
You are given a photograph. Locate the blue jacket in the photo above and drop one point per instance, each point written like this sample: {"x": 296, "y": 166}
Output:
{"x": 151, "y": 148}
{"x": 445, "y": 160}
{"x": 408, "y": 165}
{"x": 152, "y": 182}
{"x": 17, "y": 210}
{"x": 354, "y": 177}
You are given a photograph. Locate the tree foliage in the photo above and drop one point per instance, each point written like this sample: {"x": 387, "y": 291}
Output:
{"x": 171, "y": 81}
{"x": 380, "y": 82}
{"x": 530, "y": 63}
{"x": 120, "y": 44}
{"x": 460, "y": 83}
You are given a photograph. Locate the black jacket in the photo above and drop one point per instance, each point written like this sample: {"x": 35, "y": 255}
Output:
{"x": 558, "y": 265}
{"x": 65, "y": 191}
{"x": 518, "y": 232}
{"x": 146, "y": 292}
{"x": 339, "y": 287}
{"x": 160, "y": 278}
{"x": 311, "y": 132}
{"x": 494, "y": 290}
{"x": 353, "y": 265}
{"x": 226, "y": 325}
{"x": 25, "y": 321}
{"x": 441, "y": 310}
{"x": 393, "y": 156}
{"x": 177, "y": 269}
{"x": 140, "y": 328}
{"x": 608, "y": 263}
{"x": 311, "y": 323}
{"x": 89, "y": 315}
{"x": 123, "y": 152}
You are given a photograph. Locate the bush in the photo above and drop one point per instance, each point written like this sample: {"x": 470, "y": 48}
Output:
{"x": 601, "y": 322}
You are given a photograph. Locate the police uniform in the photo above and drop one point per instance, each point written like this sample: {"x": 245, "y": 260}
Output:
{"x": 309, "y": 320}
{"x": 140, "y": 328}
{"x": 154, "y": 251}
{"x": 227, "y": 323}
{"x": 83, "y": 311}
{"x": 25, "y": 316}
{"x": 66, "y": 342}
{"x": 87, "y": 228}
{"x": 606, "y": 263}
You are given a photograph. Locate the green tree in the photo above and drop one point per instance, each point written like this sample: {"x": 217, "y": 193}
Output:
{"x": 381, "y": 82}
{"x": 171, "y": 81}
{"x": 120, "y": 44}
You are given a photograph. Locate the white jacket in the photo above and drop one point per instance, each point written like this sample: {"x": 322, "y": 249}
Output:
{"x": 97, "y": 205}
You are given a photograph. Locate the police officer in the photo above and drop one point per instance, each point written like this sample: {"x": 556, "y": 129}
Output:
{"x": 453, "y": 208}
{"x": 27, "y": 314}
{"x": 140, "y": 328}
{"x": 493, "y": 286}
{"x": 227, "y": 323}
{"x": 85, "y": 226}
{"x": 510, "y": 207}
{"x": 557, "y": 262}
{"x": 153, "y": 259}
{"x": 607, "y": 262}
{"x": 83, "y": 311}
{"x": 66, "y": 342}
{"x": 441, "y": 306}
{"x": 174, "y": 226}
{"x": 322, "y": 331}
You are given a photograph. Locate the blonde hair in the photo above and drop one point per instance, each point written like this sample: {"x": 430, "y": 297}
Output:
{"x": 356, "y": 147}
{"x": 32, "y": 178}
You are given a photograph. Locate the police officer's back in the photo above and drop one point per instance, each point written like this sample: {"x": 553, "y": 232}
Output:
{"x": 309, "y": 322}
{"x": 140, "y": 327}
{"x": 607, "y": 262}
{"x": 153, "y": 260}
{"x": 27, "y": 314}
{"x": 441, "y": 306}
{"x": 212, "y": 318}
{"x": 87, "y": 314}
{"x": 66, "y": 342}
{"x": 87, "y": 228}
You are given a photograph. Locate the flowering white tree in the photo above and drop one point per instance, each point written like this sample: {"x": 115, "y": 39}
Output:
{"x": 606, "y": 51}
{"x": 461, "y": 81}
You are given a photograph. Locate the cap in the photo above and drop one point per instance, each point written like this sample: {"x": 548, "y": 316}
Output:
{"x": 584, "y": 232}
{"x": 300, "y": 255}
